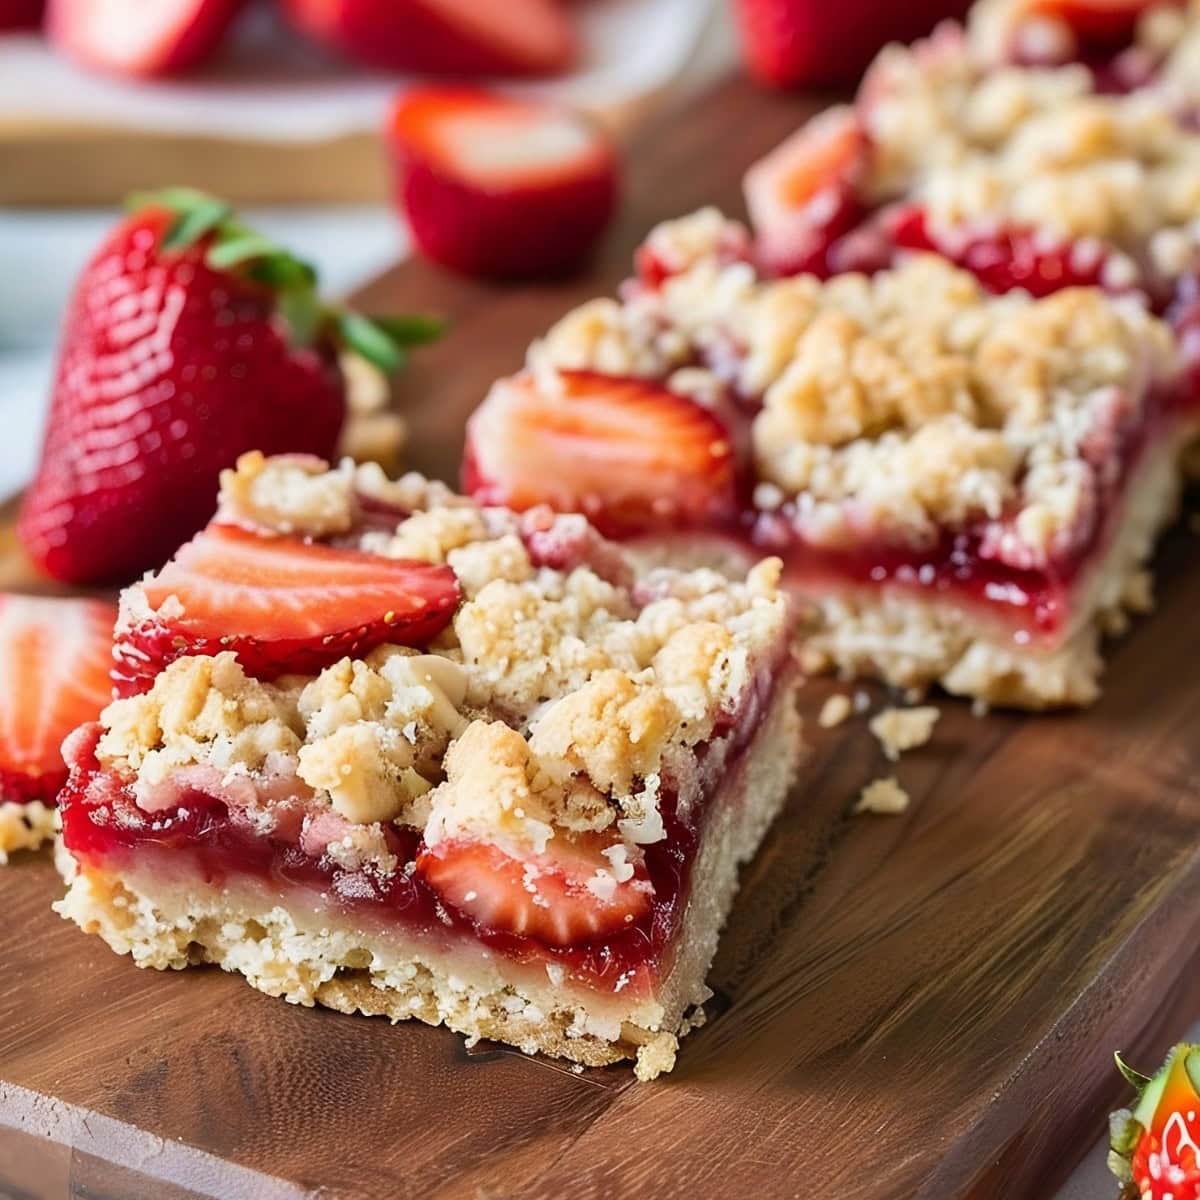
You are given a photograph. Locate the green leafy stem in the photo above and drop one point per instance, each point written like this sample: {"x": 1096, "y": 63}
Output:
{"x": 384, "y": 341}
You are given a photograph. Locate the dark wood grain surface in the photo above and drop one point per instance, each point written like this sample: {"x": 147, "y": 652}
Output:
{"x": 915, "y": 1006}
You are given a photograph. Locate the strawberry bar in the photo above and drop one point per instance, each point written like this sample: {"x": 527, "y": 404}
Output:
{"x": 444, "y": 761}
{"x": 1032, "y": 177}
{"x": 964, "y": 488}
{"x": 55, "y": 656}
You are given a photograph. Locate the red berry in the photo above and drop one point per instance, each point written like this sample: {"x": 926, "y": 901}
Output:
{"x": 792, "y": 43}
{"x": 499, "y": 187}
{"x": 556, "y": 897}
{"x": 515, "y": 37}
{"x": 131, "y": 37}
{"x": 628, "y": 453}
{"x": 281, "y": 604}
{"x": 55, "y": 656}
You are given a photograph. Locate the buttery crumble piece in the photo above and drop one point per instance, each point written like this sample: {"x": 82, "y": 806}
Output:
{"x": 884, "y": 797}
{"x": 901, "y": 729}
{"x": 836, "y": 709}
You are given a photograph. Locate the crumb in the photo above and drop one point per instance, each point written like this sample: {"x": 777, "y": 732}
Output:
{"x": 883, "y": 796}
{"x": 862, "y": 701}
{"x": 980, "y": 708}
{"x": 901, "y": 729}
{"x": 834, "y": 711}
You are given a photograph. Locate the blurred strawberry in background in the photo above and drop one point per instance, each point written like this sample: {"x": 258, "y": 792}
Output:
{"x": 461, "y": 37}
{"x": 500, "y": 187}
{"x": 798, "y": 43}
{"x": 131, "y": 37}
{"x": 20, "y": 14}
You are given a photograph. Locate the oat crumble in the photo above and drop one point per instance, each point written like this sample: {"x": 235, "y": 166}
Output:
{"x": 902, "y": 729}
{"x": 884, "y": 797}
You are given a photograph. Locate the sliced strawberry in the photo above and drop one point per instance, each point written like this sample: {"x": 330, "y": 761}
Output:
{"x": 566, "y": 895}
{"x": 457, "y": 37}
{"x": 55, "y": 656}
{"x": 131, "y": 37}
{"x": 627, "y": 453}
{"x": 281, "y": 604}
{"x": 1155, "y": 1148}
{"x": 499, "y": 187}
{"x": 805, "y": 194}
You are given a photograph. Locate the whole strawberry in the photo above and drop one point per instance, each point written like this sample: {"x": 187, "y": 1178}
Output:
{"x": 808, "y": 43}
{"x": 189, "y": 340}
{"x": 1155, "y": 1148}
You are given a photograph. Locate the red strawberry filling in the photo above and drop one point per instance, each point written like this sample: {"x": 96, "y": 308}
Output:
{"x": 281, "y": 604}
{"x": 611, "y": 934}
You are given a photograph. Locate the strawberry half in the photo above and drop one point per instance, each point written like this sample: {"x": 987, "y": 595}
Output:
{"x": 55, "y": 656}
{"x": 131, "y": 37}
{"x": 806, "y": 193}
{"x": 789, "y": 43}
{"x": 189, "y": 340}
{"x": 1155, "y": 1148}
{"x": 629, "y": 454}
{"x": 498, "y": 187}
{"x": 281, "y": 604}
{"x": 566, "y": 895}
{"x": 456, "y": 37}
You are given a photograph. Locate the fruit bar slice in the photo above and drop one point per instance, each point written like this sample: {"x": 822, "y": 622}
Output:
{"x": 964, "y": 488}
{"x": 519, "y": 812}
{"x": 1030, "y": 178}
{"x": 54, "y": 659}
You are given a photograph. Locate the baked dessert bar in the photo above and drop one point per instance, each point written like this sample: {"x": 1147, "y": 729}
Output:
{"x": 964, "y": 488}
{"x": 1031, "y": 177}
{"x": 55, "y": 656}
{"x": 386, "y": 750}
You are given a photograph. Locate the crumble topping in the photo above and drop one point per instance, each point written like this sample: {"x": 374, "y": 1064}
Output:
{"x": 884, "y": 797}
{"x": 901, "y": 729}
{"x": 978, "y": 142}
{"x": 287, "y": 494}
{"x": 888, "y": 418}
{"x": 835, "y": 710}
{"x": 559, "y": 699}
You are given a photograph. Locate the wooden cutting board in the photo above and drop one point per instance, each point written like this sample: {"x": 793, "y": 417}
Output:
{"x": 914, "y": 1006}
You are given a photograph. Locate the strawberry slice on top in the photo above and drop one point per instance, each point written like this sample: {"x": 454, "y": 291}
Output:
{"x": 500, "y": 187}
{"x": 806, "y": 193}
{"x": 55, "y": 655}
{"x": 568, "y": 894}
{"x": 629, "y": 454}
{"x": 282, "y": 604}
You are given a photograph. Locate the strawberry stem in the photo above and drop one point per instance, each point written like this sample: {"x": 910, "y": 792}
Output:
{"x": 232, "y": 247}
